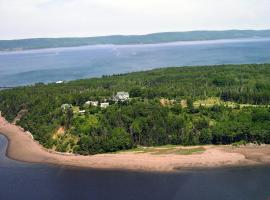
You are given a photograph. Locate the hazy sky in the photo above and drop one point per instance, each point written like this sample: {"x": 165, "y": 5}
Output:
{"x": 58, "y": 18}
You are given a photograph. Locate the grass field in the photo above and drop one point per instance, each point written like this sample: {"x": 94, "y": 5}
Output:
{"x": 209, "y": 102}
{"x": 167, "y": 149}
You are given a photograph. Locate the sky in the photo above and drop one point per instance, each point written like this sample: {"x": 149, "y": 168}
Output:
{"x": 82, "y": 18}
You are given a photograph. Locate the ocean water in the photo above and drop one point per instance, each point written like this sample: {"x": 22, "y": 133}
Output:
{"x": 50, "y": 65}
{"x": 24, "y": 181}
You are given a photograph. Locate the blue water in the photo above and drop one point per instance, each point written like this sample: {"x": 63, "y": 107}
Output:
{"x": 50, "y": 65}
{"x": 22, "y": 181}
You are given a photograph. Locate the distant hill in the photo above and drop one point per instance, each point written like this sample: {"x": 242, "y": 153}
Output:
{"x": 40, "y": 43}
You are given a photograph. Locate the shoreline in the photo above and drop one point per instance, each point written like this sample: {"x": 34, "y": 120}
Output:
{"x": 155, "y": 43}
{"x": 22, "y": 148}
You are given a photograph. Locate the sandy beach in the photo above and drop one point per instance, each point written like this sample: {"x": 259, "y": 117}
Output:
{"x": 23, "y": 148}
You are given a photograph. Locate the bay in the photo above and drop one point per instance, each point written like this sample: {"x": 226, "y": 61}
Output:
{"x": 51, "y": 65}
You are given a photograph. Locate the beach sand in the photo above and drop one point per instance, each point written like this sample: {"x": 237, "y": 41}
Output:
{"x": 23, "y": 148}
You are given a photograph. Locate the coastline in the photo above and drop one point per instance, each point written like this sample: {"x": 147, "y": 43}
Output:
{"x": 153, "y": 44}
{"x": 22, "y": 147}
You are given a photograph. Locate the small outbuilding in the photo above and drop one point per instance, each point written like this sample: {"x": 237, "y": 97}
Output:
{"x": 121, "y": 96}
{"x": 81, "y": 111}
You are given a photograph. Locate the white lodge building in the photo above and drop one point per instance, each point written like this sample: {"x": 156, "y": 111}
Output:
{"x": 104, "y": 105}
{"x": 122, "y": 96}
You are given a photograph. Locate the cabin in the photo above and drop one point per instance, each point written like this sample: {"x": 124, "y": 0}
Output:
{"x": 104, "y": 105}
{"x": 91, "y": 103}
{"x": 121, "y": 96}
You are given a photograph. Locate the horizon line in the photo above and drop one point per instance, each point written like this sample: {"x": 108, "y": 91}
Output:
{"x": 127, "y": 35}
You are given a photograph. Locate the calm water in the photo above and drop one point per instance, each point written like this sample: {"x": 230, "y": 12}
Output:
{"x": 49, "y": 65}
{"x": 31, "y": 181}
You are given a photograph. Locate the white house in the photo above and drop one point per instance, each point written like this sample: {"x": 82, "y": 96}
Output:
{"x": 92, "y": 103}
{"x": 59, "y": 82}
{"x": 104, "y": 105}
{"x": 65, "y": 107}
{"x": 122, "y": 96}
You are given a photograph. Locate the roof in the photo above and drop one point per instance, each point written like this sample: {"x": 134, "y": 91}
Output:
{"x": 122, "y": 93}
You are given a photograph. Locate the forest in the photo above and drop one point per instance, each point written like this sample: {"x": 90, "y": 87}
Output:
{"x": 225, "y": 104}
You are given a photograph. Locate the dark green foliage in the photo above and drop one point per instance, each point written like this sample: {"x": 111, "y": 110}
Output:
{"x": 143, "y": 120}
{"x": 119, "y": 140}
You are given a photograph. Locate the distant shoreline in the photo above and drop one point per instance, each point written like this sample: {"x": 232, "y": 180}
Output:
{"x": 21, "y": 147}
{"x": 153, "y": 38}
{"x": 170, "y": 43}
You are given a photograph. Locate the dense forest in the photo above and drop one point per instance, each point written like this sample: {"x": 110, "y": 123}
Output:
{"x": 182, "y": 105}
{"x": 40, "y": 43}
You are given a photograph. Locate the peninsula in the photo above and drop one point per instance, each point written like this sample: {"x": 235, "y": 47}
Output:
{"x": 161, "y": 120}
{"x": 23, "y": 148}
